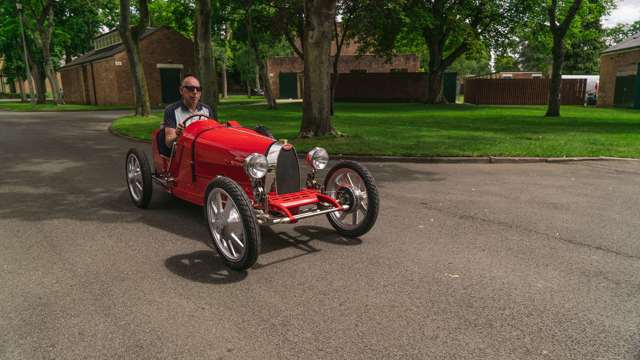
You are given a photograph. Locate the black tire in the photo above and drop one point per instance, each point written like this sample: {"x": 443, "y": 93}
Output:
{"x": 372, "y": 200}
{"x": 142, "y": 196}
{"x": 251, "y": 230}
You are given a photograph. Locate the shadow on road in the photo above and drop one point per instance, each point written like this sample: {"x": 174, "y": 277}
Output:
{"x": 203, "y": 266}
{"x": 206, "y": 266}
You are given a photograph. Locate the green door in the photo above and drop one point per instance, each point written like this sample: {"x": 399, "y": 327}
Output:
{"x": 288, "y": 85}
{"x": 637, "y": 101}
{"x": 170, "y": 82}
{"x": 450, "y": 87}
{"x": 625, "y": 89}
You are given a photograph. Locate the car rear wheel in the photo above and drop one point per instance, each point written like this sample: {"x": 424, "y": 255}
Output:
{"x": 138, "y": 175}
{"x": 232, "y": 223}
{"x": 352, "y": 184}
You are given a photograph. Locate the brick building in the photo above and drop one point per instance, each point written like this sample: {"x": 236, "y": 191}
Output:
{"x": 286, "y": 73}
{"x": 102, "y": 76}
{"x": 620, "y": 74}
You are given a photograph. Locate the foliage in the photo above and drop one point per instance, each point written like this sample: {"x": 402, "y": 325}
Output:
{"x": 621, "y": 32}
{"x": 532, "y": 41}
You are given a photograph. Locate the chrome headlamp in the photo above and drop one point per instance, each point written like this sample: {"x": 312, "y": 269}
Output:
{"x": 318, "y": 158}
{"x": 255, "y": 165}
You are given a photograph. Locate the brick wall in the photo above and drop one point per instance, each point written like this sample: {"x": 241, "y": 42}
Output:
{"x": 370, "y": 63}
{"x": 73, "y": 85}
{"x": 610, "y": 64}
{"x": 113, "y": 84}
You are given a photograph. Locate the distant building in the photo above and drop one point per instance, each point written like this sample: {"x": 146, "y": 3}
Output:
{"x": 620, "y": 74}
{"x": 286, "y": 73}
{"x": 102, "y": 76}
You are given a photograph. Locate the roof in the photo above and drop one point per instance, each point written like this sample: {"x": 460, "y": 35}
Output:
{"x": 104, "y": 52}
{"x": 631, "y": 43}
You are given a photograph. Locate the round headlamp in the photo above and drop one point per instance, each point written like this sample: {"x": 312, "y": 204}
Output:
{"x": 318, "y": 158}
{"x": 255, "y": 165}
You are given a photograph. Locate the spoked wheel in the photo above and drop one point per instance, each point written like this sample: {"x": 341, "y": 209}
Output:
{"x": 232, "y": 223}
{"x": 138, "y": 175}
{"x": 352, "y": 184}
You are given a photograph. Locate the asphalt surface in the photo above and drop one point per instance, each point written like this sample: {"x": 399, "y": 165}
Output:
{"x": 467, "y": 261}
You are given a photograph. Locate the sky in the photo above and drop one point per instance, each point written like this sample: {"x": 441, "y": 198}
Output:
{"x": 628, "y": 11}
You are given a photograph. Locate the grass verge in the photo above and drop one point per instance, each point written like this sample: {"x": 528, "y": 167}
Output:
{"x": 452, "y": 130}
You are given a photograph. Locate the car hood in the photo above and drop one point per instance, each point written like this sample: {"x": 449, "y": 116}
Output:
{"x": 236, "y": 140}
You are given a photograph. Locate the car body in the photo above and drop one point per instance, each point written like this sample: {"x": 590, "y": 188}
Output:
{"x": 245, "y": 178}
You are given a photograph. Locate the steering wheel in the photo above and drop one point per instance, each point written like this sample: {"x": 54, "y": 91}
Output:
{"x": 186, "y": 122}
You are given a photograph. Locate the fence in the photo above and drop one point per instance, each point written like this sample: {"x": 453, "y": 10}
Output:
{"x": 390, "y": 87}
{"x": 522, "y": 91}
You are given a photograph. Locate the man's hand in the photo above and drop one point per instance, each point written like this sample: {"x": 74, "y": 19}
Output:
{"x": 179, "y": 130}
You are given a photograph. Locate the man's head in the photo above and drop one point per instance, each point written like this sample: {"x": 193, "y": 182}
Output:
{"x": 190, "y": 90}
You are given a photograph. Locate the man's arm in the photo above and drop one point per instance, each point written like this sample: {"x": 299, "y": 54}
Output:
{"x": 171, "y": 131}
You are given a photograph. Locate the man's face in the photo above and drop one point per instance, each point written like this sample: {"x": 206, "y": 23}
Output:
{"x": 190, "y": 91}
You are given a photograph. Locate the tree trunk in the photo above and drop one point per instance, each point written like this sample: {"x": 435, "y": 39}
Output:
{"x": 225, "y": 86}
{"x": 553, "y": 109}
{"x": 130, "y": 39}
{"x": 268, "y": 91}
{"x": 318, "y": 28}
{"x": 39, "y": 81}
{"x": 434, "y": 87}
{"x": 436, "y": 70}
{"x": 558, "y": 30}
{"x": 44, "y": 32}
{"x": 206, "y": 62}
{"x": 261, "y": 67}
{"x": 23, "y": 96}
{"x": 248, "y": 88}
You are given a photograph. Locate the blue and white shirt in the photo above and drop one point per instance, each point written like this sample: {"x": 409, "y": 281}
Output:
{"x": 177, "y": 112}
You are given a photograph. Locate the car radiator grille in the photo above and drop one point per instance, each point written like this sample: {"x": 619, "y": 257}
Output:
{"x": 287, "y": 172}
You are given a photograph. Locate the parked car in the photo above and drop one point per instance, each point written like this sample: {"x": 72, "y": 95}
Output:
{"x": 244, "y": 178}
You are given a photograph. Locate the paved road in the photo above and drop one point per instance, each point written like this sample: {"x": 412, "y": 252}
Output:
{"x": 529, "y": 261}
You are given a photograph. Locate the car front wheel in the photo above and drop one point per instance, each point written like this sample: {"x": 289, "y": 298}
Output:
{"x": 352, "y": 184}
{"x": 232, "y": 223}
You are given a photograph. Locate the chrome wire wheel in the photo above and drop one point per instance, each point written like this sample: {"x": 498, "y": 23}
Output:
{"x": 226, "y": 225}
{"x": 138, "y": 176}
{"x": 352, "y": 184}
{"x": 134, "y": 177}
{"x": 349, "y": 188}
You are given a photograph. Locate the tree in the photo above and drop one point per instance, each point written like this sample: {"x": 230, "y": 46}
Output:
{"x": 621, "y": 32}
{"x": 505, "y": 62}
{"x": 318, "y": 32}
{"x": 448, "y": 29}
{"x": 558, "y": 30}
{"x": 131, "y": 39}
{"x": 44, "y": 31}
{"x": 256, "y": 14}
{"x": 472, "y": 63}
{"x": 206, "y": 63}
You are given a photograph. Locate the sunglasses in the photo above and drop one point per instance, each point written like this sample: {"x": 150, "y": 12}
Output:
{"x": 193, "y": 88}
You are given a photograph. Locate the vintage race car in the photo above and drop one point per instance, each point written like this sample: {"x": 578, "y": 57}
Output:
{"x": 245, "y": 178}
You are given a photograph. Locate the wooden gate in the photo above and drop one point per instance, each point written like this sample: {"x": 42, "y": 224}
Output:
{"x": 522, "y": 91}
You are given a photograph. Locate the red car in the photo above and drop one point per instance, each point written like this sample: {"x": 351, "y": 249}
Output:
{"x": 245, "y": 178}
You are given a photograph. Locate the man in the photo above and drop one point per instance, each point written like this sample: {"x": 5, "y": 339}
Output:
{"x": 189, "y": 104}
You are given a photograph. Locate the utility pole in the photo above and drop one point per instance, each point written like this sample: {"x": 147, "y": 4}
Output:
{"x": 26, "y": 57}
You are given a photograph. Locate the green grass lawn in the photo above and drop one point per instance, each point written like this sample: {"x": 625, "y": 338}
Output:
{"x": 451, "y": 130}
